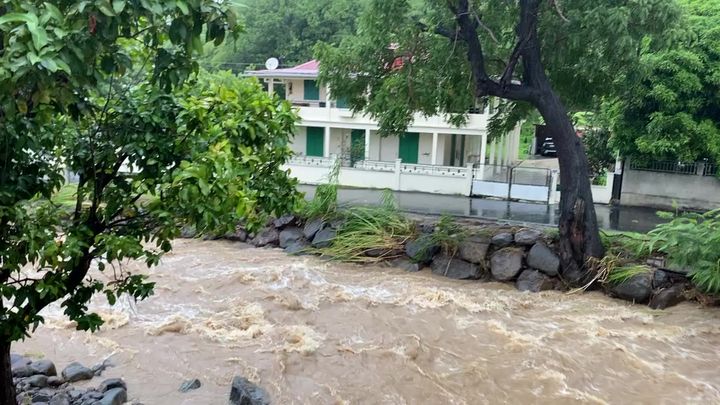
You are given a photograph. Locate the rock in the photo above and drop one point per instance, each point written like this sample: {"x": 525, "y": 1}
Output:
{"x": 290, "y": 235}
{"x": 661, "y": 279}
{"x": 421, "y": 250}
{"x": 312, "y": 227}
{"x": 284, "y": 221}
{"x": 534, "y": 281}
{"x": 337, "y": 223}
{"x": 527, "y": 236}
{"x": 44, "y": 395}
{"x": 55, "y": 381}
{"x": 75, "y": 394}
{"x": 190, "y": 384}
{"x": 44, "y": 367}
{"x": 39, "y": 381}
{"x": 188, "y": 232}
{"x": 297, "y": 248}
{"x": 268, "y": 236}
{"x": 505, "y": 264}
{"x": 61, "y": 398}
{"x": 637, "y": 288}
{"x": 324, "y": 238}
{"x": 77, "y": 372}
{"x": 542, "y": 258}
{"x": 474, "y": 249}
{"x": 426, "y": 227}
{"x": 406, "y": 264}
{"x": 667, "y": 297}
{"x": 115, "y": 396}
{"x": 456, "y": 268}
{"x": 21, "y": 370}
{"x": 98, "y": 369}
{"x": 239, "y": 235}
{"x": 502, "y": 239}
{"x": 243, "y": 392}
{"x": 111, "y": 383}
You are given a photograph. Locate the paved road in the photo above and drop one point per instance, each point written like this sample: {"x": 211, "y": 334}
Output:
{"x": 615, "y": 218}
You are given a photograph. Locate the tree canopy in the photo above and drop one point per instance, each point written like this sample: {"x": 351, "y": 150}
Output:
{"x": 110, "y": 90}
{"x": 287, "y": 29}
{"x": 669, "y": 107}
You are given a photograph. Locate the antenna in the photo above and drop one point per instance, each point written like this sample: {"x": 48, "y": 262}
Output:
{"x": 272, "y": 64}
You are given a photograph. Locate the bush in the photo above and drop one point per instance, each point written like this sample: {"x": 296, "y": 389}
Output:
{"x": 691, "y": 241}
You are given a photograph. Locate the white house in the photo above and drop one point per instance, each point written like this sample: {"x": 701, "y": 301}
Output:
{"x": 431, "y": 156}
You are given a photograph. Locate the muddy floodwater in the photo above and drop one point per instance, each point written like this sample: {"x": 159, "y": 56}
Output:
{"x": 317, "y": 332}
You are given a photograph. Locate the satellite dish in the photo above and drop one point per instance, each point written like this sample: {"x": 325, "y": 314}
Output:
{"x": 272, "y": 64}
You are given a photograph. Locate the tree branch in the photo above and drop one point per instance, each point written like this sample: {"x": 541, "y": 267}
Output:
{"x": 558, "y": 9}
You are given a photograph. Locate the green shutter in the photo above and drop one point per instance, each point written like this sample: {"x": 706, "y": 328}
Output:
{"x": 409, "y": 147}
{"x": 357, "y": 145}
{"x": 341, "y": 102}
{"x": 315, "y": 141}
{"x": 311, "y": 91}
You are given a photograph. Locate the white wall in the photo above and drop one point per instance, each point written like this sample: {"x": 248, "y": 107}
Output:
{"x": 389, "y": 148}
{"x": 374, "y": 146}
{"x": 339, "y": 141}
{"x": 298, "y": 90}
{"x": 663, "y": 190}
{"x": 434, "y": 184}
{"x": 299, "y": 141}
{"x": 425, "y": 148}
{"x": 446, "y": 140}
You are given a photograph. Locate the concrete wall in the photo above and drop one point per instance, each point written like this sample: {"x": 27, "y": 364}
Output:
{"x": 298, "y": 90}
{"x": 663, "y": 190}
{"x": 298, "y": 142}
{"x": 389, "y": 148}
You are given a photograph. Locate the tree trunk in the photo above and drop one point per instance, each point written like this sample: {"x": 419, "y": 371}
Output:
{"x": 7, "y": 388}
{"x": 579, "y": 234}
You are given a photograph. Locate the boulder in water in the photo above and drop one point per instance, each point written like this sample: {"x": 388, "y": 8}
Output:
{"x": 297, "y": 248}
{"x": 115, "y": 396}
{"x": 190, "y": 385}
{"x": 77, "y": 372}
{"x": 534, "y": 281}
{"x": 111, "y": 383}
{"x": 268, "y": 236}
{"x": 312, "y": 227}
{"x": 668, "y": 297}
{"x": 474, "y": 249}
{"x": 38, "y": 380}
{"x": 448, "y": 266}
{"x": 324, "y": 238}
{"x": 238, "y": 235}
{"x": 406, "y": 264}
{"x": 637, "y": 288}
{"x": 542, "y": 258}
{"x": 421, "y": 250}
{"x": 243, "y": 392}
{"x": 284, "y": 221}
{"x": 506, "y": 263}
{"x": 44, "y": 367}
{"x": 290, "y": 235}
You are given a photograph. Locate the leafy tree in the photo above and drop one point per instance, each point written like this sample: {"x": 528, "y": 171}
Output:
{"x": 670, "y": 106}
{"x": 102, "y": 88}
{"x": 288, "y": 30}
{"x": 545, "y": 55}
{"x": 600, "y": 155}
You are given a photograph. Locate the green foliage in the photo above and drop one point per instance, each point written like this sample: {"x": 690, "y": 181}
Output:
{"x": 626, "y": 245}
{"x": 324, "y": 203}
{"x": 108, "y": 89}
{"x": 287, "y": 29}
{"x": 382, "y": 229}
{"x": 600, "y": 40}
{"x": 690, "y": 241}
{"x": 671, "y": 101}
{"x": 600, "y": 155}
{"x": 447, "y": 235}
{"x": 619, "y": 275}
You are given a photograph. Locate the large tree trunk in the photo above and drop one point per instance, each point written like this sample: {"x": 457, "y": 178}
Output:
{"x": 7, "y": 388}
{"x": 579, "y": 234}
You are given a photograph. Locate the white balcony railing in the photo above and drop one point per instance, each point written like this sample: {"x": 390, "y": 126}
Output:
{"x": 434, "y": 170}
{"x": 375, "y": 165}
{"x": 311, "y": 161}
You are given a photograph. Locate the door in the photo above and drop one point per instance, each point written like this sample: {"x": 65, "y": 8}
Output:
{"x": 311, "y": 90}
{"x": 409, "y": 147}
{"x": 357, "y": 145}
{"x": 315, "y": 141}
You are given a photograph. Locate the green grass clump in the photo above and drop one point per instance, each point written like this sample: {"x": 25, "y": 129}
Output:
{"x": 66, "y": 196}
{"x": 324, "y": 203}
{"x": 447, "y": 235}
{"x": 380, "y": 228}
{"x": 619, "y": 275}
{"x": 629, "y": 245}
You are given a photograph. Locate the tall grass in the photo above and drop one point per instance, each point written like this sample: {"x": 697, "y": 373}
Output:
{"x": 324, "y": 203}
{"x": 447, "y": 235}
{"x": 382, "y": 229}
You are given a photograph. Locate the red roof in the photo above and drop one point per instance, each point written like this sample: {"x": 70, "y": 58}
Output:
{"x": 308, "y": 69}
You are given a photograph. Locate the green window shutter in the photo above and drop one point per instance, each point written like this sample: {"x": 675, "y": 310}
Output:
{"x": 341, "y": 103}
{"x": 409, "y": 147}
{"x": 315, "y": 141}
{"x": 311, "y": 90}
{"x": 357, "y": 145}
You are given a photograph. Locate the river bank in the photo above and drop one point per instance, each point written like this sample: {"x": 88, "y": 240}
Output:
{"x": 303, "y": 328}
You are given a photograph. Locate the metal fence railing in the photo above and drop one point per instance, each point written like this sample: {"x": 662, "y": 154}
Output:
{"x": 531, "y": 176}
{"x": 710, "y": 169}
{"x": 665, "y": 167}
{"x": 434, "y": 170}
{"x": 493, "y": 173}
{"x": 375, "y": 165}
{"x": 311, "y": 161}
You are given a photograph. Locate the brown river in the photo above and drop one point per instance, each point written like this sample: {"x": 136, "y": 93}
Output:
{"x": 316, "y": 332}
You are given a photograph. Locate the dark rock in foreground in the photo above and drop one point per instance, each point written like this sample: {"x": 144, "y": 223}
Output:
{"x": 243, "y": 392}
{"x": 44, "y": 367}
{"x": 190, "y": 385}
{"x": 112, "y": 383}
{"x": 312, "y": 227}
{"x": 324, "y": 238}
{"x": 456, "y": 268}
{"x": 527, "y": 236}
{"x": 421, "y": 250}
{"x": 505, "y": 264}
{"x": 542, "y": 258}
{"x": 284, "y": 221}
{"x": 474, "y": 249}
{"x": 115, "y": 396}
{"x": 268, "y": 236}
{"x": 290, "y": 235}
{"x": 668, "y": 297}
{"x": 502, "y": 239}
{"x": 77, "y": 372}
{"x": 534, "y": 281}
{"x": 406, "y": 264}
{"x": 297, "y": 248}
{"x": 637, "y": 288}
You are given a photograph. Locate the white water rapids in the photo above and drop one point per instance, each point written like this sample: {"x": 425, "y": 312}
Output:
{"x": 316, "y": 332}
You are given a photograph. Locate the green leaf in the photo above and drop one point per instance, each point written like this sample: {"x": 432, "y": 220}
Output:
{"x": 19, "y": 17}
{"x": 182, "y": 6}
{"x": 118, "y": 6}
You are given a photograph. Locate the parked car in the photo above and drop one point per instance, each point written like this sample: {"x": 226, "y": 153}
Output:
{"x": 548, "y": 148}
